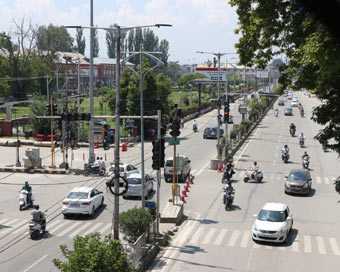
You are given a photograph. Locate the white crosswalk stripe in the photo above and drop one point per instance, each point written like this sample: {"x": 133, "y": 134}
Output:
{"x": 245, "y": 238}
{"x": 2, "y": 221}
{"x": 326, "y": 180}
{"x": 334, "y": 246}
{"x": 13, "y": 227}
{"x": 209, "y": 235}
{"x": 58, "y": 227}
{"x": 318, "y": 180}
{"x": 295, "y": 245}
{"x": 77, "y": 231}
{"x": 74, "y": 225}
{"x": 193, "y": 171}
{"x": 105, "y": 228}
{"x": 196, "y": 237}
{"x": 321, "y": 245}
{"x": 220, "y": 237}
{"x": 233, "y": 238}
{"x": 307, "y": 244}
{"x": 92, "y": 229}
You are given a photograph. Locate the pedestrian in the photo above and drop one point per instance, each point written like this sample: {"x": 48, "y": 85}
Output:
{"x": 102, "y": 164}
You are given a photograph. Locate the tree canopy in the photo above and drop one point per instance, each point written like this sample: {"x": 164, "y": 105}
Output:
{"x": 54, "y": 38}
{"x": 280, "y": 27}
{"x": 80, "y": 40}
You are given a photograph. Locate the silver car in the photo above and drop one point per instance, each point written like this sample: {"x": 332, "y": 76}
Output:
{"x": 135, "y": 185}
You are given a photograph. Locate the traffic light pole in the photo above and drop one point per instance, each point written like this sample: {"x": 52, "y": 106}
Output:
{"x": 174, "y": 186}
{"x": 158, "y": 171}
{"x": 52, "y": 146}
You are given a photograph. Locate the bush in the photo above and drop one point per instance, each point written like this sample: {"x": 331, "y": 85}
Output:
{"x": 233, "y": 133}
{"x": 134, "y": 222}
{"x": 245, "y": 126}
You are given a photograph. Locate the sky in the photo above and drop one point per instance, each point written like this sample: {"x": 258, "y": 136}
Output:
{"x": 197, "y": 25}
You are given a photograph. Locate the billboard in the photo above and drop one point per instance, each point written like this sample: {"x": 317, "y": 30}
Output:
{"x": 211, "y": 74}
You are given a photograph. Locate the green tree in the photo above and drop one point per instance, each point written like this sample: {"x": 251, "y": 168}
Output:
{"x": 4, "y": 86}
{"x": 95, "y": 43}
{"x": 37, "y": 108}
{"x": 91, "y": 254}
{"x": 187, "y": 81}
{"x": 134, "y": 222}
{"x": 80, "y": 40}
{"x": 174, "y": 71}
{"x": 53, "y": 38}
{"x": 271, "y": 28}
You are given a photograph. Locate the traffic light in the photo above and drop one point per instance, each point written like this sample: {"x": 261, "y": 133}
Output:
{"x": 85, "y": 116}
{"x": 55, "y": 109}
{"x": 59, "y": 124}
{"x": 162, "y": 155}
{"x": 156, "y": 155}
{"x": 176, "y": 123}
{"x": 48, "y": 110}
{"x": 226, "y": 113}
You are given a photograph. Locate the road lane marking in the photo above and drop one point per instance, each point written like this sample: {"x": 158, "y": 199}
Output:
{"x": 318, "y": 180}
{"x": 209, "y": 235}
{"x": 245, "y": 238}
{"x": 334, "y": 246}
{"x": 58, "y": 227}
{"x": 295, "y": 245}
{"x": 79, "y": 230}
{"x": 93, "y": 228}
{"x": 74, "y": 225}
{"x": 326, "y": 180}
{"x": 51, "y": 225}
{"x": 185, "y": 234}
{"x": 12, "y": 221}
{"x": 13, "y": 227}
{"x": 220, "y": 237}
{"x": 203, "y": 168}
{"x": 233, "y": 238}
{"x": 271, "y": 176}
{"x": 333, "y": 179}
{"x": 256, "y": 245}
{"x": 3, "y": 220}
{"x": 104, "y": 229}
{"x": 274, "y": 162}
{"x": 321, "y": 245}
{"x": 34, "y": 264}
{"x": 308, "y": 244}
{"x": 20, "y": 229}
{"x": 197, "y": 235}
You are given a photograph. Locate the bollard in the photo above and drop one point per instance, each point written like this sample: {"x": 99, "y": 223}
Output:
{"x": 188, "y": 182}
{"x": 72, "y": 156}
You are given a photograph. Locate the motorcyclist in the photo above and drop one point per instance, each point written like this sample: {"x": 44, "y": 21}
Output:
{"x": 229, "y": 167}
{"x": 305, "y": 156}
{"x": 229, "y": 189}
{"x": 28, "y": 188}
{"x": 292, "y": 126}
{"x": 255, "y": 168}
{"x": 39, "y": 217}
{"x": 276, "y": 112}
{"x": 302, "y": 138}
{"x": 102, "y": 165}
{"x": 195, "y": 125}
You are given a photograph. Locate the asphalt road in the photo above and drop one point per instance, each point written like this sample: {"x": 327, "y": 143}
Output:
{"x": 212, "y": 239}
{"x": 19, "y": 253}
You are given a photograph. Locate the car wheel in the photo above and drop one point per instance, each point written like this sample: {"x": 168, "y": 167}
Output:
{"x": 65, "y": 215}
{"x": 102, "y": 202}
{"x": 92, "y": 211}
{"x": 21, "y": 207}
{"x": 246, "y": 179}
{"x": 124, "y": 197}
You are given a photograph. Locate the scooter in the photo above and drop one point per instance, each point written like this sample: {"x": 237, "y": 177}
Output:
{"x": 285, "y": 156}
{"x": 276, "y": 113}
{"x": 36, "y": 228}
{"x": 305, "y": 162}
{"x": 228, "y": 199}
{"x": 227, "y": 175}
{"x": 252, "y": 176}
{"x": 292, "y": 132}
{"x": 194, "y": 128}
{"x": 23, "y": 203}
{"x": 302, "y": 142}
{"x": 302, "y": 113}
{"x": 94, "y": 169}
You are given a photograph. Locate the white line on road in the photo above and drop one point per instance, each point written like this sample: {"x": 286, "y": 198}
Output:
{"x": 274, "y": 162}
{"x": 74, "y": 225}
{"x": 245, "y": 238}
{"x": 93, "y": 228}
{"x": 321, "y": 245}
{"x": 318, "y": 180}
{"x": 256, "y": 245}
{"x": 203, "y": 168}
{"x": 12, "y": 228}
{"x": 220, "y": 237}
{"x": 58, "y": 227}
{"x": 185, "y": 234}
{"x": 3, "y": 220}
{"x": 326, "y": 180}
{"x": 209, "y": 236}
{"x": 334, "y": 246}
{"x": 197, "y": 235}
{"x": 104, "y": 229}
{"x": 308, "y": 244}
{"x": 233, "y": 238}
{"x": 34, "y": 264}
{"x": 79, "y": 230}
{"x": 295, "y": 245}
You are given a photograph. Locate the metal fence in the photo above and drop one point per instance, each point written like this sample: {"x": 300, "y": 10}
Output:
{"x": 135, "y": 251}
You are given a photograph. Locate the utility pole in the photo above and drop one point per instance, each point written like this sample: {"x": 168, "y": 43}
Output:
{"x": 91, "y": 149}
{"x": 117, "y": 107}
{"x": 159, "y": 136}
{"x": 78, "y": 98}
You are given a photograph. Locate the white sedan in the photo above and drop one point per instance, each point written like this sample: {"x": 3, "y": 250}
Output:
{"x": 273, "y": 223}
{"x": 82, "y": 200}
{"x": 294, "y": 104}
{"x": 135, "y": 185}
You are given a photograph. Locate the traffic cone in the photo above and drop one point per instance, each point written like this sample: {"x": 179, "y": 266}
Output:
{"x": 191, "y": 180}
{"x": 186, "y": 187}
{"x": 184, "y": 193}
{"x": 188, "y": 182}
{"x": 219, "y": 168}
{"x": 183, "y": 199}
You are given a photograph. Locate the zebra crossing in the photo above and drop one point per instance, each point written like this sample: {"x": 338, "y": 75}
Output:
{"x": 57, "y": 227}
{"x": 216, "y": 237}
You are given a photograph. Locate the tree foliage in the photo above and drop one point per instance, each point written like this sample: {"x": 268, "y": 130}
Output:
{"x": 54, "y": 38}
{"x": 187, "y": 81}
{"x": 279, "y": 27}
{"x": 80, "y": 40}
{"x": 134, "y": 222}
{"x": 95, "y": 47}
{"x": 174, "y": 71}
{"x": 37, "y": 108}
{"x": 90, "y": 254}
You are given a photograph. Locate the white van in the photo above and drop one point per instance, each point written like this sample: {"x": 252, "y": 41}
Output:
{"x": 182, "y": 168}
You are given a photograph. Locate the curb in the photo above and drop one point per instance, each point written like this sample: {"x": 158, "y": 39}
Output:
{"x": 32, "y": 171}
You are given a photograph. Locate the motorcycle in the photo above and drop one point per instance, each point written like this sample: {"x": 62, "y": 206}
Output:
{"x": 227, "y": 175}
{"x": 228, "y": 199}
{"x": 252, "y": 176}
{"x": 302, "y": 113}
{"x": 302, "y": 142}
{"x": 324, "y": 148}
{"x": 23, "y": 202}
{"x": 194, "y": 128}
{"x": 36, "y": 228}
{"x": 292, "y": 132}
{"x": 94, "y": 169}
{"x": 285, "y": 156}
{"x": 305, "y": 162}
{"x": 106, "y": 145}
{"x": 276, "y": 113}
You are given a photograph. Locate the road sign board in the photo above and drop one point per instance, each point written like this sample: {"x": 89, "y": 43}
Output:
{"x": 173, "y": 141}
{"x": 150, "y": 204}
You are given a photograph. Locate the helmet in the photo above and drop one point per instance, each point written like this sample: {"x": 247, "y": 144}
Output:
{"x": 286, "y": 145}
{"x": 37, "y": 207}
{"x": 255, "y": 163}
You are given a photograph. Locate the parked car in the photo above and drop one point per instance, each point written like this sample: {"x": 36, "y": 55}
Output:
{"x": 281, "y": 101}
{"x": 135, "y": 185}
{"x": 298, "y": 181}
{"x": 82, "y": 200}
{"x": 294, "y": 103}
{"x": 288, "y": 111}
{"x": 211, "y": 132}
{"x": 125, "y": 170}
{"x": 273, "y": 223}
{"x": 183, "y": 168}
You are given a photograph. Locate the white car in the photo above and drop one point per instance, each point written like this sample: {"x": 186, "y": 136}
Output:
{"x": 273, "y": 223}
{"x": 294, "y": 104}
{"x": 135, "y": 185}
{"x": 125, "y": 170}
{"x": 82, "y": 200}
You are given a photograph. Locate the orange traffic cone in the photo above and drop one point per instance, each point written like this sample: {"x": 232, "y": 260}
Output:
{"x": 219, "y": 168}
{"x": 191, "y": 180}
{"x": 186, "y": 187}
{"x": 184, "y": 193}
{"x": 183, "y": 199}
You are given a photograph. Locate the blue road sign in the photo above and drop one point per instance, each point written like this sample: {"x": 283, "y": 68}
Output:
{"x": 150, "y": 204}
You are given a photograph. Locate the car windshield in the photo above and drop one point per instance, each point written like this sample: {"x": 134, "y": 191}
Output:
{"x": 297, "y": 176}
{"x": 179, "y": 162}
{"x": 134, "y": 181}
{"x": 77, "y": 195}
{"x": 272, "y": 216}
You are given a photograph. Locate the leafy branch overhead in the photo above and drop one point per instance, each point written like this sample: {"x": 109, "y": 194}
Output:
{"x": 287, "y": 28}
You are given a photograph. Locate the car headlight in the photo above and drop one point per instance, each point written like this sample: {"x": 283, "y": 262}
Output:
{"x": 282, "y": 230}
{"x": 306, "y": 185}
{"x": 287, "y": 184}
{"x": 255, "y": 228}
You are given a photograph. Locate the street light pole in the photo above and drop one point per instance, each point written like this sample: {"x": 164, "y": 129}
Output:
{"x": 91, "y": 142}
